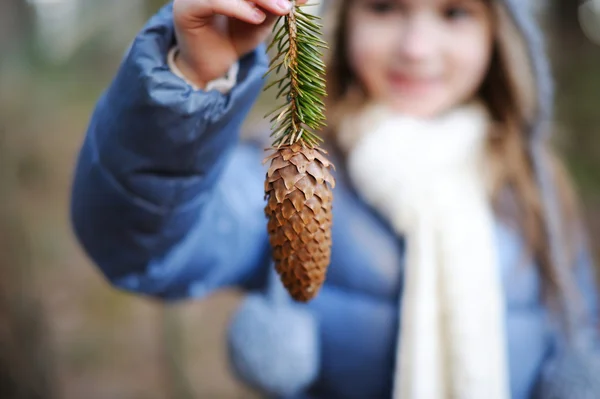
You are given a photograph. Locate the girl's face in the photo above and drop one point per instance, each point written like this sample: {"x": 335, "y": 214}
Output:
{"x": 422, "y": 57}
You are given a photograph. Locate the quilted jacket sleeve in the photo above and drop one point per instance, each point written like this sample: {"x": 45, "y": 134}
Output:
{"x": 165, "y": 199}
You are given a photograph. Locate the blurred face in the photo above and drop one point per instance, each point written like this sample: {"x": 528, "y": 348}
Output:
{"x": 421, "y": 57}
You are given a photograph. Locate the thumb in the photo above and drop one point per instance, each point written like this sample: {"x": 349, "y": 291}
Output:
{"x": 247, "y": 36}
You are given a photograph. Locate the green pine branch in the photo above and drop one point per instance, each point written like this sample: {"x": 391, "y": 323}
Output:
{"x": 302, "y": 86}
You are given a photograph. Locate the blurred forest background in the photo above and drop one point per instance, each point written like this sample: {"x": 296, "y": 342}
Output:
{"x": 63, "y": 332}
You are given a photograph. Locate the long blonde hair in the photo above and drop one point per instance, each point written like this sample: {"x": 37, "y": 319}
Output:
{"x": 510, "y": 96}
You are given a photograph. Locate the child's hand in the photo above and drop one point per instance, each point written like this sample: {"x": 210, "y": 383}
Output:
{"x": 213, "y": 34}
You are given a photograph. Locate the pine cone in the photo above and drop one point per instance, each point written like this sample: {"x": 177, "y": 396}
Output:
{"x": 299, "y": 212}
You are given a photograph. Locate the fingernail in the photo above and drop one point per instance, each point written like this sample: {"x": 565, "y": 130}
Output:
{"x": 259, "y": 16}
{"x": 284, "y": 5}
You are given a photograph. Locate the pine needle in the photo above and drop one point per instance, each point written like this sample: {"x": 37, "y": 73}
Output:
{"x": 298, "y": 43}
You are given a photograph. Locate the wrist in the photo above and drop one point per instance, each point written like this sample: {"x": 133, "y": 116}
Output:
{"x": 185, "y": 72}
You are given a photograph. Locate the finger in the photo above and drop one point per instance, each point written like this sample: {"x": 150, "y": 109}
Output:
{"x": 246, "y": 37}
{"x": 198, "y": 13}
{"x": 276, "y": 7}
{"x": 272, "y": 16}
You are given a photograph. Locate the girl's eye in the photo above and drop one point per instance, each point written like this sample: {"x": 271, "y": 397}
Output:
{"x": 456, "y": 13}
{"x": 381, "y": 7}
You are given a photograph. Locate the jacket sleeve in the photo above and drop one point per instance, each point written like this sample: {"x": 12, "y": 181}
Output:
{"x": 165, "y": 200}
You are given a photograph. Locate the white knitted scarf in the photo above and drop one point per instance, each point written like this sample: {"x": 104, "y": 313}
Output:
{"x": 428, "y": 178}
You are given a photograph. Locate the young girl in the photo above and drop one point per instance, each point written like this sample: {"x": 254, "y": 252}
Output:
{"x": 458, "y": 266}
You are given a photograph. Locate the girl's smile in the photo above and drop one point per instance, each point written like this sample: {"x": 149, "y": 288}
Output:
{"x": 402, "y": 84}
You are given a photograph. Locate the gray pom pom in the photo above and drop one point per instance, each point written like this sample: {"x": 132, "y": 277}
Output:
{"x": 274, "y": 347}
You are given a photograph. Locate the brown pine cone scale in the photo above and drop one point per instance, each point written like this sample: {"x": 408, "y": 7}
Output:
{"x": 298, "y": 189}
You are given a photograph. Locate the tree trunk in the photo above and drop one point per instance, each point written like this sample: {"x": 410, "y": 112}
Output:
{"x": 25, "y": 358}
{"x": 566, "y": 21}
{"x": 15, "y": 24}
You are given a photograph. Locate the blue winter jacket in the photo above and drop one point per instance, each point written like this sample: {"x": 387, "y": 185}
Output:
{"x": 168, "y": 202}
